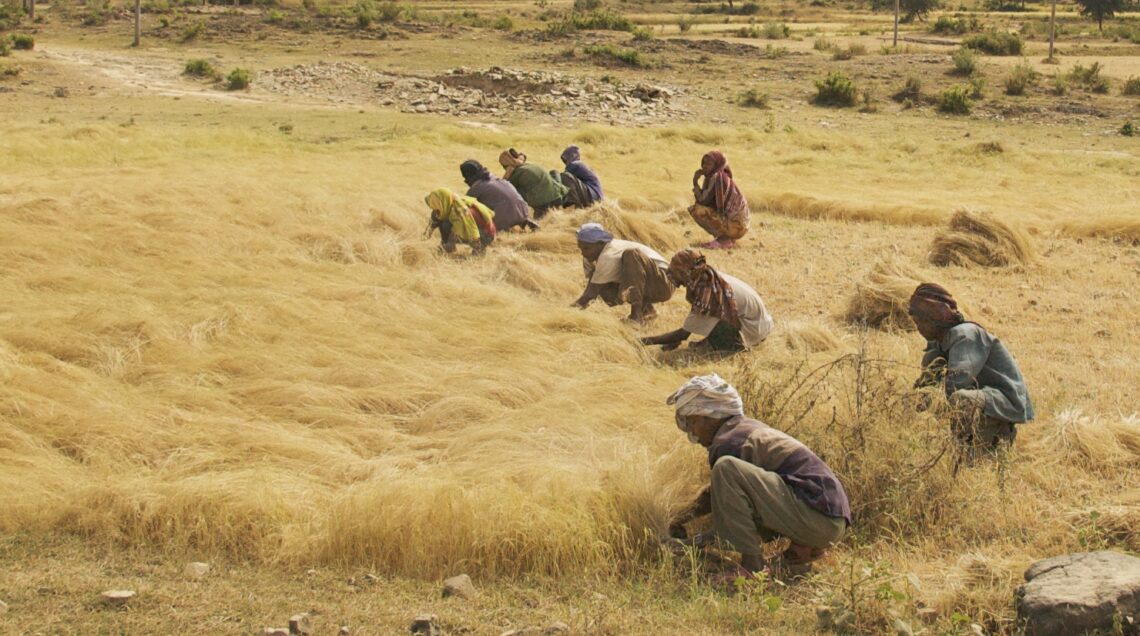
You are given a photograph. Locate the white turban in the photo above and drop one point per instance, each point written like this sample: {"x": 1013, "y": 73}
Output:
{"x": 706, "y": 395}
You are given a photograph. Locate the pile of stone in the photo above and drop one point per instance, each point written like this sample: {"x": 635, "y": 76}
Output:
{"x": 494, "y": 92}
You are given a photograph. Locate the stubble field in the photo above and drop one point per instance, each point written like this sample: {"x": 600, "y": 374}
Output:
{"x": 225, "y": 339}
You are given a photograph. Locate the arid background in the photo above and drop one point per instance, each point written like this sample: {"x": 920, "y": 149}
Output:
{"x": 224, "y": 337}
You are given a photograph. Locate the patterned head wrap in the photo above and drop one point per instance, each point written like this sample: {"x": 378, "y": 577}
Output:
{"x": 719, "y": 163}
{"x": 706, "y": 291}
{"x": 460, "y": 211}
{"x": 933, "y": 302}
{"x": 572, "y": 153}
{"x": 511, "y": 159}
{"x": 473, "y": 171}
{"x": 594, "y": 233}
{"x": 706, "y": 395}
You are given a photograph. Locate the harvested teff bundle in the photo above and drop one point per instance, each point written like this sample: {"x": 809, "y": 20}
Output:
{"x": 880, "y": 299}
{"x": 976, "y": 238}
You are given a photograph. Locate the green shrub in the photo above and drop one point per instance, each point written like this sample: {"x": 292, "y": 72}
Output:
{"x": 23, "y": 42}
{"x": 9, "y": 71}
{"x": 1060, "y": 85}
{"x": 835, "y": 90}
{"x": 995, "y": 43}
{"x": 200, "y": 68}
{"x": 1090, "y": 77}
{"x": 10, "y": 15}
{"x": 776, "y": 31}
{"x": 366, "y": 13}
{"x": 1128, "y": 130}
{"x": 587, "y": 5}
{"x": 389, "y": 11}
{"x": 775, "y": 52}
{"x": 5, "y": 49}
{"x": 611, "y": 53}
{"x": 504, "y": 23}
{"x": 684, "y": 24}
{"x": 824, "y": 44}
{"x": 753, "y": 98}
{"x": 1131, "y": 86}
{"x": 192, "y": 32}
{"x": 601, "y": 20}
{"x": 238, "y": 79}
{"x": 911, "y": 90}
{"x": 977, "y": 85}
{"x": 955, "y": 100}
{"x": 957, "y": 25}
{"x": 274, "y": 17}
{"x": 751, "y": 31}
{"x": 965, "y": 61}
{"x": 642, "y": 34}
{"x": 849, "y": 52}
{"x": 1021, "y": 77}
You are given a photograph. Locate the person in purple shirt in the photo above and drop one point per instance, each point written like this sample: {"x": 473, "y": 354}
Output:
{"x": 765, "y": 483}
{"x": 504, "y": 200}
{"x": 585, "y": 187}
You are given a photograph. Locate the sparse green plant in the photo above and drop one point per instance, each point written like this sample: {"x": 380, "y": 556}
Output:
{"x": 955, "y": 100}
{"x": 911, "y": 90}
{"x": 503, "y": 23}
{"x": 684, "y": 24}
{"x": 851, "y": 51}
{"x": 750, "y": 31}
{"x": 10, "y": 15}
{"x": 775, "y": 52}
{"x": 965, "y": 61}
{"x": 5, "y": 49}
{"x": 977, "y": 84}
{"x": 1128, "y": 130}
{"x": 191, "y": 32}
{"x": 238, "y": 79}
{"x": 1090, "y": 77}
{"x": 870, "y": 104}
{"x": 776, "y": 31}
{"x": 389, "y": 11}
{"x": 957, "y": 25}
{"x": 200, "y": 68}
{"x": 600, "y": 20}
{"x": 274, "y": 17}
{"x": 365, "y": 12}
{"x": 753, "y": 98}
{"x": 1060, "y": 85}
{"x": 587, "y": 5}
{"x": 611, "y": 53}
{"x": 995, "y": 43}
{"x": 23, "y": 42}
{"x": 642, "y": 34}
{"x": 835, "y": 90}
{"x": 1020, "y": 77}
{"x": 1131, "y": 86}
{"x": 9, "y": 71}
{"x": 824, "y": 44}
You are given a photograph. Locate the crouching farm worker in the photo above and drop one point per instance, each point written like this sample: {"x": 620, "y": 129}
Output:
{"x": 538, "y": 187}
{"x": 622, "y": 272}
{"x": 460, "y": 220}
{"x": 585, "y": 189}
{"x": 765, "y": 484}
{"x": 983, "y": 383}
{"x": 728, "y": 313}
{"x": 498, "y": 194}
{"x": 720, "y": 208}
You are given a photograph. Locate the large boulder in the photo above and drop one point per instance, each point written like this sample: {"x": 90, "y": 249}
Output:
{"x": 1078, "y": 593}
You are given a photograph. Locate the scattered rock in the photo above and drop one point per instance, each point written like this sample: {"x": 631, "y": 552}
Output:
{"x": 370, "y": 578}
{"x": 460, "y": 586}
{"x": 343, "y": 631}
{"x": 426, "y": 625}
{"x": 300, "y": 625}
{"x": 556, "y": 628}
{"x": 117, "y": 597}
{"x": 275, "y": 631}
{"x": 310, "y": 572}
{"x": 196, "y": 570}
{"x": 1079, "y": 593}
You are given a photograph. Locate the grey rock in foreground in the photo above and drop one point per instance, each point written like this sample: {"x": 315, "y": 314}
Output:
{"x": 1077, "y": 593}
{"x": 426, "y": 625}
{"x": 460, "y": 586}
{"x": 117, "y": 597}
{"x": 300, "y": 625}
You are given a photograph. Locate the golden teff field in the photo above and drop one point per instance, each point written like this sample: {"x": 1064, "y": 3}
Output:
{"x": 224, "y": 337}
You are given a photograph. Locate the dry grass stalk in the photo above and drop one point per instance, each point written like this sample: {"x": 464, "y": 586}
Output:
{"x": 1119, "y": 228}
{"x": 804, "y": 207}
{"x": 978, "y": 238}
{"x": 1094, "y": 442}
{"x": 880, "y": 299}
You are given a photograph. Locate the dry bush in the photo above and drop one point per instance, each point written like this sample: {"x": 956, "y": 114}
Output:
{"x": 881, "y": 298}
{"x": 1094, "y": 443}
{"x": 978, "y": 238}
{"x": 804, "y": 207}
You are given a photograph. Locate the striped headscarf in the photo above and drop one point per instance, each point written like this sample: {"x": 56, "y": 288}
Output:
{"x": 705, "y": 289}
{"x": 706, "y": 395}
{"x": 459, "y": 211}
{"x": 933, "y": 302}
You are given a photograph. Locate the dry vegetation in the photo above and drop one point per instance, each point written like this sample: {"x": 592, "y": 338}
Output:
{"x": 225, "y": 339}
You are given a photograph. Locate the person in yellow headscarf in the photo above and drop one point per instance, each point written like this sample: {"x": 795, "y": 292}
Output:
{"x": 460, "y": 219}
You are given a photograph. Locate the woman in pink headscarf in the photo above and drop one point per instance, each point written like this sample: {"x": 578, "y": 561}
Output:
{"x": 720, "y": 208}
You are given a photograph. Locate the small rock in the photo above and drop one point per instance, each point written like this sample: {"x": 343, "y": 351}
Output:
{"x": 275, "y": 631}
{"x": 1078, "y": 593}
{"x": 556, "y": 628}
{"x": 927, "y": 615}
{"x": 300, "y": 625}
{"x": 460, "y": 586}
{"x": 902, "y": 628}
{"x": 117, "y": 597}
{"x": 370, "y": 578}
{"x": 426, "y": 625}
{"x": 196, "y": 570}
{"x": 61, "y": 91}
{"x": 421, "y": 108}
{"x": 343, "y": 631}
{"x": 311, "y": 572}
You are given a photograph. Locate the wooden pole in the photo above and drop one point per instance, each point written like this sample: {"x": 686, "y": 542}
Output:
{"x": 138, "y": 22}
{"x": 1052, "y": 28}
{"x": 32, "y": 10}
{"x": 895, "y": 44}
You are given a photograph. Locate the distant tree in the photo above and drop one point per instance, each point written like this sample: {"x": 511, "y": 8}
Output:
{"x": 911, "y": 10}
{"x": 1100, "y": 9}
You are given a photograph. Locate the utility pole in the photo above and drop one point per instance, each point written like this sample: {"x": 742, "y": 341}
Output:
{"x": 1052, "y": 28}
{"x": 138, "y": 23}
{"x": 31, "y": 4}
{"x": 895, "y": 44}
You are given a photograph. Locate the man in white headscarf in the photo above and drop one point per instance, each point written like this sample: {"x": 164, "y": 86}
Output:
{"x": 622, "y": 272}
{"x": 764, "y": 482}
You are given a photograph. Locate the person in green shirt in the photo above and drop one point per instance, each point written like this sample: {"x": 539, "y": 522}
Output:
{"x": 538, "y": 187}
